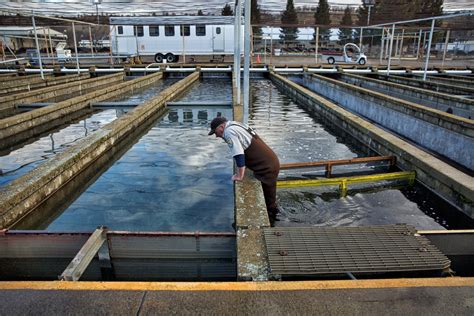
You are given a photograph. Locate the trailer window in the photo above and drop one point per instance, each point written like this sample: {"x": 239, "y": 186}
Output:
{"x": 138, "y": 31}
{"x": 169, "y": 30}
{"x": 154, "y": 30}
{"x": 218, "y": 30}
{"x": 185, "y": 29}
{"x": 120, "y": 29}
{"x": 200, "y": 30}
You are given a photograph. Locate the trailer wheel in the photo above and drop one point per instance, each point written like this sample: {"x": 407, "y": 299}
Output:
{"x": 362, "y": 61}
{"x": 170, "y": 58}
{"x": 159, "y": 58}
{"x": 331, "y": 60}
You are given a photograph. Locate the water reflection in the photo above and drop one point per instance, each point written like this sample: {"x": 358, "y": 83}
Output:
{"x": 24, "y": 159}
{"x": 175, "y": 178}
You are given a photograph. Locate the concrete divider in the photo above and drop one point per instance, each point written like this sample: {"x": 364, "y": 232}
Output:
{"x": 40, "y": 95}
{"x": 18, "y": 128}
{"x": 22, "y": 195}
{"x": 445, "y": 180}
{"x": 449, "y": 87}
{"x": 19, "y": 85}
{"x": 445, "y": 134}
{"x": 451, "y": 80}
{"x": 436, "y": 100}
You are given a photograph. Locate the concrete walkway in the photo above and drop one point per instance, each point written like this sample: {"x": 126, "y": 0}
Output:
{"x": 443, "y": 296}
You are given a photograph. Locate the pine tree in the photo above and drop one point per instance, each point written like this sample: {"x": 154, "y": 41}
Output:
{"x": 289, "y": 17}
{"x": 429, "y": 8}
{"x": 346, "y": 34}
{"x": 200, "y": 13}
{"x": 227, "y": 10}
{"x": 322, "y": 17}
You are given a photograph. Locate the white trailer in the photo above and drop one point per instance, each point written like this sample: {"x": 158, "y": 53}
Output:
{"x": 168, "y": 37}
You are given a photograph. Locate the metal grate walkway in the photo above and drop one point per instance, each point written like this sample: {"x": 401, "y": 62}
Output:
{"x": 294, "y": 251}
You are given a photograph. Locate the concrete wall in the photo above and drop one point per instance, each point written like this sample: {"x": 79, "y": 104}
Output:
{"x": 449, "y": 86}
{"x": 445, "y": 134}
{"x": 20, "y": 197}
{"x": 27, "y": 83}
{"x": 441, "y": 101}
{"x": 447, "y": 181}
{"x": 17, "y": 128}
{"x": 40, "y": 95}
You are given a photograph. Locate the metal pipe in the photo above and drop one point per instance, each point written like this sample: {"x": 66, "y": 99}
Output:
{"x": 236, "y": 39}
{"x": 316, "y": 44}
{"x": 445, "y": 47}
{"x": 390, "y": 50}
{"x": 360, "y": 38}
{"x": 239, "y": 41}
{"x": 37, "y": 46}
{"x": 75, "y": 48}
{"x": 418, "y": 47}
{"x": 441, "y": 17}
{"x": 382, "y": 45}
{"x": 90, "y": 40}
{"x": 401, "y": 46}
{"x": 51, "y": 46}
{"x": 429, "y": 49}
{"x": 247, "y": 60}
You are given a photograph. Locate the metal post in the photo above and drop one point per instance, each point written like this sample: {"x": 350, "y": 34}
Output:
{"x": 390, "y": 49}
{"x": 247, "y": 61}
{"x": 46, "y": 43}
{"x": 265, "y": 50}
{"x": 37, "y": 46}
{"x": 239, "y": 38}
{"x": 360, "y": 37}
{"x": 381, "y": 45}
{"x": 368, "y": 14}
{"x": 51, "y": 46}
{"x": 184, "y": 48}
{"x": 418, "y": 47}
{"x": 445, "y": 46}
{"x": 401, "y": 46}
{"x": 236, "y": 40}
{"x": 271, "y": 45}
{"x": 429, "y": 49}
{"x": 90, "y": 40}
{"x": 75, "y": 48}
{"x": 316, "y": 45}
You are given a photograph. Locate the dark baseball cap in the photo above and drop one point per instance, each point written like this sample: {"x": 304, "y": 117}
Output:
{"x": 215, "y": 123}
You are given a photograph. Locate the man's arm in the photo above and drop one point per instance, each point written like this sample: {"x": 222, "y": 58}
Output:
{"x": 240, "y": 162}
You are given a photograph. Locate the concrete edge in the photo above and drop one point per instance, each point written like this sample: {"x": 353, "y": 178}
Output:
{"x": 22, "y": 122}
{"x": 21, "y": 196}
{"x": 431, "y": 83}
{"x": 400, "y": 105}
{"x": 449, "y": 182}
{"x": 22, "y": 97}
{"x": 441, "y": 95}
{"x": 237, "y": 286}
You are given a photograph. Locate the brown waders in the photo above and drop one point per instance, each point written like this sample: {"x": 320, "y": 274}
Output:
{"x": 264, "y": 163}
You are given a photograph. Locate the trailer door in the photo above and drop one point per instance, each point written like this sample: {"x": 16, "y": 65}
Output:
{"x": 218, "y": 38}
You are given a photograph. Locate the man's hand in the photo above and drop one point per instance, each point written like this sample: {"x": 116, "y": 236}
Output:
{"x": 236, "y": 177}
{"x": 239, "y": 175}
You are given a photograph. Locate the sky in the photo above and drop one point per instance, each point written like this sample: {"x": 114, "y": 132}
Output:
{"x": 179, "y": 6}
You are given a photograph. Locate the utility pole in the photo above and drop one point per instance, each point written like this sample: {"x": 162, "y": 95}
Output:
{"x": 97, "y": 2}
{"x": 369, "y": 4}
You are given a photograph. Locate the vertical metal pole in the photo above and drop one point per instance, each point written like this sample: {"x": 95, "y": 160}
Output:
{"x": 271, "y": 45}
{"x": 46, "y": 43}
{"x": 445, "y": 46}
{"x": 401, "y": 46}
{"x": 429, "y": 48}
{"x": 236, "y": 40}
{"x": 265, "y": 51}
{"x": 51, "y": 46}
{"x": 368, "y": 14}
{"x": 90, "y": 40}
{"x": 418, "y": 47}
{"x": 360, "y": 38}
{"x": 381, "y": 45}
{"x": 397, "y": 41}
{"x": 247, "y": 61}
{"x": 75, "y": 48}
{"x": 390, "y": 49}
{"x": 184, "y": 48}
{"x": 37, "y": 46}
{"x": 316, "y": 45}
{"x": 239, "y": 49}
